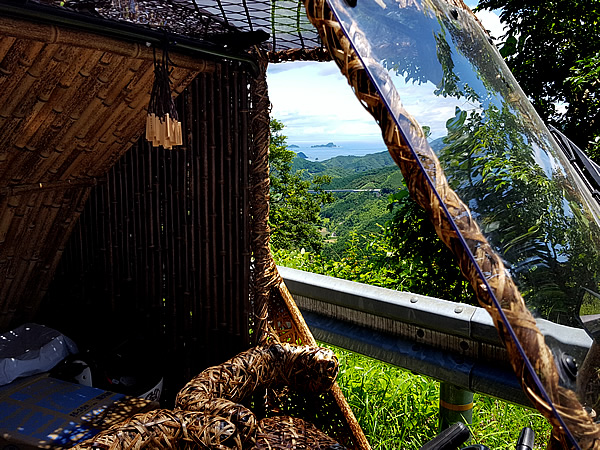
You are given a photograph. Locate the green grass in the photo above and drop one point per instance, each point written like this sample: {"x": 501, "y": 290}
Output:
{"x": 399, "y": 410}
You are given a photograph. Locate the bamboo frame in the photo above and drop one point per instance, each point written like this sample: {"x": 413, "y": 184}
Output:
{"x": 87, "y": 97}
{"x": 190, "y": 260}
{"x": 51, "y": 34}
{"x": 167, "y": 232}
{"x": 277, "y": 315}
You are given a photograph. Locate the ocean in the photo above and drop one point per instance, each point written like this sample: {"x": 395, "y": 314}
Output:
{"x": 352, "y": 148}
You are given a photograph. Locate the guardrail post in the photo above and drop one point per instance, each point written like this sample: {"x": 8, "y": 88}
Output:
{"x": 456, "y": 405}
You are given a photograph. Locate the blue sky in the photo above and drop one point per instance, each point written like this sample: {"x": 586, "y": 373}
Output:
{"x": 316, "y": 104}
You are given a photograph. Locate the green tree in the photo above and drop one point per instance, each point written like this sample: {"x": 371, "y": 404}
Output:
{"x": 404, "y": 265}
{"x": 585, "y": 82}
{"x": 529, "y": 213}
{"x": 294, "y": 217}
{"x": 405, "y": 254}
{"x": 413, "y": 240}
{"x": 552, "y": 49}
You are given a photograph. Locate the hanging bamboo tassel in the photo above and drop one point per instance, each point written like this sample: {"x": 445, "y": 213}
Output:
{"x": 162, "y": 124}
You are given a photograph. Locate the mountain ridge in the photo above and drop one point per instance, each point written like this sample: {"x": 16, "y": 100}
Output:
{"x": 341, "y": 166}
{"x": 360, "y": 212}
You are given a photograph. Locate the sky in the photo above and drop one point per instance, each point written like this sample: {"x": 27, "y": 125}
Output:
{"x": 317, "y": 106}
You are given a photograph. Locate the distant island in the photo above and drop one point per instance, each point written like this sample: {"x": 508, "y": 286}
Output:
{"x": 293, "y": 146}
{"x": 329, "y": 145}
{"x": 301, "y": 155}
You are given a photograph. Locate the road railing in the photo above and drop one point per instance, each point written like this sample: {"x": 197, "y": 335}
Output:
{"x": 451, "y": 342}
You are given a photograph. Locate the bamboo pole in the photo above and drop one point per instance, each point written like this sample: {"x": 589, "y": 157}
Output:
{"x": 264, "y": 268}
{"x": 211, "y": 151}
{"x": 236, "y": 183}
{"x": 51, "y": 34}
{"x": 227, "y": 205}
{"x": 245, "y": 201}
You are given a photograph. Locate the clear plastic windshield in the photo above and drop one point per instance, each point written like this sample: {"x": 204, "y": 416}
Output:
{"x": 434, "y": 61}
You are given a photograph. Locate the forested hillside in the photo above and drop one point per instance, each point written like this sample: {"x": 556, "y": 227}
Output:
{"x": 342, "y": 166}
{"x": 359, "y": 212}
{"x": 373, "y": 233}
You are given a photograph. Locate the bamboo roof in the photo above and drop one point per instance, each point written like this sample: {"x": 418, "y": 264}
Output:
{"x": 71, "y": 104}
{"x": 75, "y": 82}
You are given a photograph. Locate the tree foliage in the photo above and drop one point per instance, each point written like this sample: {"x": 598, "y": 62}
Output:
{"x": 500, "y": 163}
{"x": 413, "y": 238}
{"x": 294, "y": 217}
{"x": 530, "y": 214}
{"x": 552, "y": 48}
{"x": 405, "y": 254}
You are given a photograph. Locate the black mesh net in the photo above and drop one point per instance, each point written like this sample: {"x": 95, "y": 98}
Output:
{"x": 235, "y": 25}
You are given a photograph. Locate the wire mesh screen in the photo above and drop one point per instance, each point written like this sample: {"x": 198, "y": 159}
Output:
{"x": 275, "y": 25}
{"x": 162, "y": 247}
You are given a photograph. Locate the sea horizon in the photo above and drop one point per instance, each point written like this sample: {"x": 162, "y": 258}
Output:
{"x": 342, "y": 148}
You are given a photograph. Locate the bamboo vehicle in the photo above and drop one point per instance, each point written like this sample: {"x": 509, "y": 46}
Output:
{"x": 134, "y": 202}
{"x": 113, "y": 230}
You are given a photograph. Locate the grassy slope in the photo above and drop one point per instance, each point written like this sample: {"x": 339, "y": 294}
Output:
{"x": 399, "y": 410}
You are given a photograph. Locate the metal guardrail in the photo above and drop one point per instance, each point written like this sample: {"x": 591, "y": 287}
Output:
{"x": 447, "y": 341}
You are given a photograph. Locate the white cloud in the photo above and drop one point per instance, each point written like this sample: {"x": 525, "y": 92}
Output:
{"x": 491, "y": 22}
{"x": 314, "y": 102}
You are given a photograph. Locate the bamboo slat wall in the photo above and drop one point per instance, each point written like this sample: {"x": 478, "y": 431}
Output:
{"x": 71, "y": 104}
{"x": 163, "y": 247}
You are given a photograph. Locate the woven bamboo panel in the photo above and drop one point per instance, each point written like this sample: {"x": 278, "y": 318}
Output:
{"x": 162, "y": 248}
{"x": 71, "y": 104}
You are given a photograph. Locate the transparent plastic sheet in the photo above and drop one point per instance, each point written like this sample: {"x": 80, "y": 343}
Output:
{"x": 496, "y": 153}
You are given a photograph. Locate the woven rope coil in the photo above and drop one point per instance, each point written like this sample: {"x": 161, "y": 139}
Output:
{"x": 209, "y": 413}
{"x": 164, "y": 429}
{"x": 293, "y": 433}
{"x": 265, "y": 271}
{"x": 220, "y": 390}
{"x": 302, "y": 368}
{"x": 521, "y": 320}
